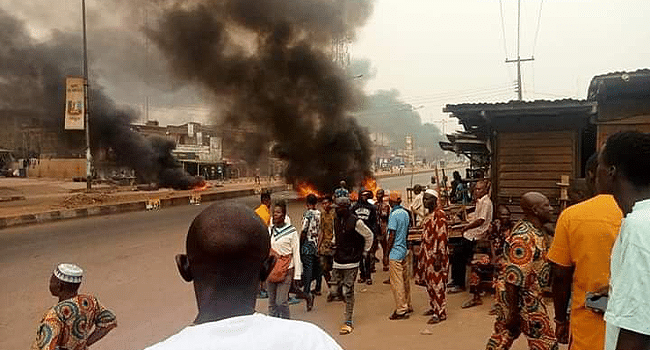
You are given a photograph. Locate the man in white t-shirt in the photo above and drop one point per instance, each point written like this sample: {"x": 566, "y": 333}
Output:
{"x": 479, "y": 222}
{"x": 623, "y": 167}
{"x": 227, "y": 256}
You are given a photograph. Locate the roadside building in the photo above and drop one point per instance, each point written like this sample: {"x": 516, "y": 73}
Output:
{"x": 525, "y": 146}
{"x": 623, "y": 102}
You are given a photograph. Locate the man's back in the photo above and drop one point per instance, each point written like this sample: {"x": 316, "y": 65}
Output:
{"x": 249, "y": 332}
{"x": 399, "y": 222}
{"x": 584, "y": 236}
{"x": 68, "y": 324}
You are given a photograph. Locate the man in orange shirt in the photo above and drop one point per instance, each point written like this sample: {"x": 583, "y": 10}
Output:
{"x": 264, "y": 210}
{"x": 580, "y": 253}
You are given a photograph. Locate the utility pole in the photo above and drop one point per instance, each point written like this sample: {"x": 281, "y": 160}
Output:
{"x": 89, "y": 157}
{"x": 519, "y": 59}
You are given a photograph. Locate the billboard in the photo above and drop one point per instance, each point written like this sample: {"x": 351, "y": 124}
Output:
{"x": 74, "y": 103}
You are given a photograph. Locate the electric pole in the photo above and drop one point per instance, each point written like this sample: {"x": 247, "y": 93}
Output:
{"x": 519, "y": 59}
{"x": 89, "y": 157}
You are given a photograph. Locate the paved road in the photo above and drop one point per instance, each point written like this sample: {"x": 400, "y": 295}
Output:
{"x": 129, "y": 263}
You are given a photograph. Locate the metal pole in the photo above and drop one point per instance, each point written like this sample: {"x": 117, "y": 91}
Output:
{"x": 89, "y": 157}
{"x": 519, "y": 94}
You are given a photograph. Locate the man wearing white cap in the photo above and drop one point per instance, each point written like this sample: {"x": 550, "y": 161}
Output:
{"x": 78, "y": 320}
{"x": 434, "y": 257}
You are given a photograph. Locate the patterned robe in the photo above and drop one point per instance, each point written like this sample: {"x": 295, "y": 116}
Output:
{"x": 433, "y": 264}
{"x": 527, "y": 268}
{"x": 68, "y": 324}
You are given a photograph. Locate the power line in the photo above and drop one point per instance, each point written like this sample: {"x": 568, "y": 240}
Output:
{"x": 539, "y": 21}
{"x": 503, "y": 28}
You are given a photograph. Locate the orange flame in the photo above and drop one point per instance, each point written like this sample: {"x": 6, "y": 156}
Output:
{"x": 305, "y": 188}
{"x": 202, "y": 186}
{"x": 370, "y": 184}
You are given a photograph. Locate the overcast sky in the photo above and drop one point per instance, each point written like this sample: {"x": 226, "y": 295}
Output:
{"x": 438, "y": 52}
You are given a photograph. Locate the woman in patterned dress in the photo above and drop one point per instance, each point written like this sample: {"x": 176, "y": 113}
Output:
{"x": 434, "y": 257}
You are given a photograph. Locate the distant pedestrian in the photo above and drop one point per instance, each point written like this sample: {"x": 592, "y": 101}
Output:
{"x": 623, "y": 167}
{"x": 227, "y": 257}
{"x": 383, "y": 211}
{"x": 308, "y": 247}
{"x": 342, "y": 191}
{"x": 368, "y": 213}
{"x": 78, "y": 320}
{"x": 264, "y": 212}
{"x": 353, "y": 240}
{"x": 264, "y": 209}
{"x": 400, "y": 279}
{"x": 434, "y": 257}
{"x": 520, "y": 305}
{"x": 326, "y": 243}
{"x": 285, "y": 243}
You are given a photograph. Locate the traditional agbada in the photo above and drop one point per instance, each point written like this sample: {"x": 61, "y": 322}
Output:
{"x": 68, "y": 324}
{"x": 526, "y": 268}
{"x": 434, "y": 262}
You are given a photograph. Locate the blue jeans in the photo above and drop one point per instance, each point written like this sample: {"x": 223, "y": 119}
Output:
{"x": 310, "y": 271}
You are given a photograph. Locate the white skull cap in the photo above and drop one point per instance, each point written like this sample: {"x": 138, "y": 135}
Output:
{"x": 70, "y": 273}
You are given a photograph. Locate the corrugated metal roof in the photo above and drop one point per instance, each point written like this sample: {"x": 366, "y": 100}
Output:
{"x": 519, "y": 105}
{"x": 617, "y": 85}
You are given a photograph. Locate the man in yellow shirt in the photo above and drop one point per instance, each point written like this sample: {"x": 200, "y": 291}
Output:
{"x": 580, "y": 253}
{"x": 264, "y": 210}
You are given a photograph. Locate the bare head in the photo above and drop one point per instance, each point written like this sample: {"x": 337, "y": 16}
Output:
{"x": 481, "y": 189}
{"x": 623, "y": 169}
{"x": 311, "y": 201}
{"x": 380, "y": 195}
{"x": 537, "y": 207}
{"x": 417, "y": 188}
{"x": 265, "y": 198}
{"x": 227, "y": 257}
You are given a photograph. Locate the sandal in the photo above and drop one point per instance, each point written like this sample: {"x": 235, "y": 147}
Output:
{"x": 345, "y": 329}
{"x": 429, "y": 313}
{"x": 396, "y": 316}
{"x": 433, "y": 320}
{"x": 471, "y": 303}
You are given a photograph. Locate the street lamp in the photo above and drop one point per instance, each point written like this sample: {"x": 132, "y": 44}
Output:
{"x": 89, "y": 157}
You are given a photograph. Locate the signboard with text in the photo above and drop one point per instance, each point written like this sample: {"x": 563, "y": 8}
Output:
{"x": 74, "y": 103}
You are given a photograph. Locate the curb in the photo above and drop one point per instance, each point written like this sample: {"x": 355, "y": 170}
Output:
{"x": 66, "y": 214}
{"x": 186, "y": 199}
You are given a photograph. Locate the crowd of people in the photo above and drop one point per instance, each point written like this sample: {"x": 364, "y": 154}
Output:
{"x": 597, "y": 261}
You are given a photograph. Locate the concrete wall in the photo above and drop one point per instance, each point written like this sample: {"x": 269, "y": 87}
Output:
{"x": 57, "y": 168}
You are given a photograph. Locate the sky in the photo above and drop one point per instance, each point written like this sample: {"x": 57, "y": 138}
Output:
{"x": 438, "y": 52}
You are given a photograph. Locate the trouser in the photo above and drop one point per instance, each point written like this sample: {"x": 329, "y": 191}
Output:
{"x": 325, "y": 269}
{"x": 343, "y": 280}
{"x": 535, "y": 324}
{"x": 383, "y": 241}
{"x": 310, "y": 271}
{"x": 462, "y": 256}
{"x": 400, "y": 284}
{"x": 278, "y": 296}
{"x": 365, "y": 267}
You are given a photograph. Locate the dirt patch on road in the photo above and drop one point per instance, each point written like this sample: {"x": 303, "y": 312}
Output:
{"x": 82, "y": 199}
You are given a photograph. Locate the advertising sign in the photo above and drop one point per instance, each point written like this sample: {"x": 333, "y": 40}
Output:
{"x": 74, "y": 103}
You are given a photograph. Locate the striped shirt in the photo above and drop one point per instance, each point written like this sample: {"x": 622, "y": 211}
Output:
{"x": 285, "y": 241}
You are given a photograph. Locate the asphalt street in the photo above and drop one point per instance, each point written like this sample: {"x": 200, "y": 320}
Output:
{"x": 129, "y": 264}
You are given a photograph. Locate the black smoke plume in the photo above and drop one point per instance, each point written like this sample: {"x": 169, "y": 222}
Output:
{"x": 269, "y": 59}
{"x": 32, "y": 79}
